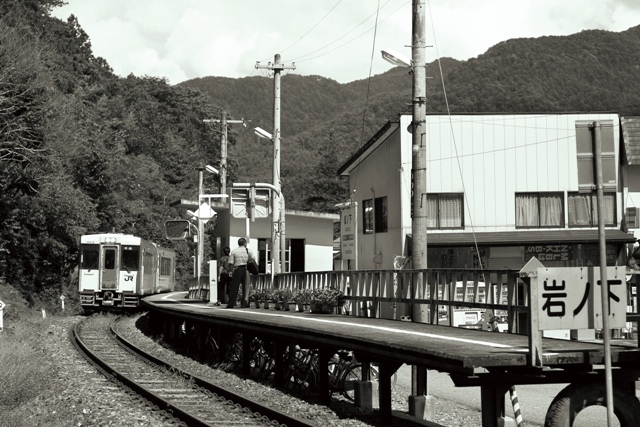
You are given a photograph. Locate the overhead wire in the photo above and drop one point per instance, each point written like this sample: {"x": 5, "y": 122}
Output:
{"x": 303, "y": 58}
{"x": 312, "y": 28}
{"x": 366, "y": 104}
{"x": 444, "y": 89}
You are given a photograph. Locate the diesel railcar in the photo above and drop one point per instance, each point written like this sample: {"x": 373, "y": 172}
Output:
{"x": 117, "y": 270}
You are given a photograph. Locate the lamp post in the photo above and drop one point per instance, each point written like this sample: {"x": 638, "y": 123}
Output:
{"x": 276, "y": 212}
{"x": 200, "y": 254}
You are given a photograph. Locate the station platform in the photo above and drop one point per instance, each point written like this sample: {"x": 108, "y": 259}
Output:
{"x": 493, "y": 361}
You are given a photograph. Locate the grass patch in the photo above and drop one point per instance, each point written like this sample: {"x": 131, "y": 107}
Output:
{"x": 26, "y": 373}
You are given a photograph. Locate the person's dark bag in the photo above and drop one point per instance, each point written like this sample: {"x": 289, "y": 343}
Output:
{"x": 252, "y": 265}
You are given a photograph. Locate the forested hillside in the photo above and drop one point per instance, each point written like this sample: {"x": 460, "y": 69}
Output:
{"x": 83, "y": 150}
{"x": 589, "y": 71}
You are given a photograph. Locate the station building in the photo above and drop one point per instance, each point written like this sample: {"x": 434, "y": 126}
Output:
{"x": 308, "y": 237}
{"x": 501, "y": 189}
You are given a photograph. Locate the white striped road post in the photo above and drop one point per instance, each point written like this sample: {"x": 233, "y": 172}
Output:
{"x": 516, "y": 406}
{"x": 1, "y": 315}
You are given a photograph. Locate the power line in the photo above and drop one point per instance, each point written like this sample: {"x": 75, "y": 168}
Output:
{"x": 374, "y": 27}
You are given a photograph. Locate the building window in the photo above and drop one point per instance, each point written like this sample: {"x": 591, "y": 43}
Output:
{"x": 375, "y": 215}
{"x": 540, "y": 210}
{"x": 583, "y": 209}
{"x": 445, "y": 210}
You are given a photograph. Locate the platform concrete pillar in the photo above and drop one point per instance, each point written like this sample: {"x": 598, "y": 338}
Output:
{"x": 492, "y": 402}
{"x": 363, "y": 391}
{"x": 421, "y": 405}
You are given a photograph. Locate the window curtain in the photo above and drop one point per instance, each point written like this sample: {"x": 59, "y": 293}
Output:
{"x": 432, "y": 212}
{"x": 551, "y": 214}
{"x": 527, "y": 210}
{"x": 579, "y": 210}
{"x": 450, "y": 211}
{"x": 608, "y": 208}
{"x": 367, "y": 216}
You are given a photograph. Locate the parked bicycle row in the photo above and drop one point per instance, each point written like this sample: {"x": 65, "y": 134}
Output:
{"x": 301, "y": 368}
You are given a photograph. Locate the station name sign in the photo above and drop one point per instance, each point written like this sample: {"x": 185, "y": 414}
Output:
{"x": 570, "y": 298}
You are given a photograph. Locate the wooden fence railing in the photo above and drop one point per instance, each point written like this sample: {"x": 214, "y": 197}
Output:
{"x": 432, "y": 295}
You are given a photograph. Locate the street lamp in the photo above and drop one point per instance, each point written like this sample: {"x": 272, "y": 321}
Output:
{"x": 263, "y": 133}
{"x": 277, "y": 212}
{"x": 212, "y": 170}
{"x": 396, "y": 58}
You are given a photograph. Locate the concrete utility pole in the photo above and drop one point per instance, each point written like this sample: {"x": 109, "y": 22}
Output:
{"x": 421, "y": 405}
{"x": 419, "y": 145}
{"x": 223, "y": 146}
{"x": 277, "y": 215}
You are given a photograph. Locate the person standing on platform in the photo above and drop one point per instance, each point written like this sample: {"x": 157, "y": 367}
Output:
{"x": 224, "y": 276}
{"x": 238, "y": 259}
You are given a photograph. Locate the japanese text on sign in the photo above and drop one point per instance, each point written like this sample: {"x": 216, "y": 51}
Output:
{"x": 570, "y": 298}
{"x": 347, "y": 233}
{"x": 549, "y": 252}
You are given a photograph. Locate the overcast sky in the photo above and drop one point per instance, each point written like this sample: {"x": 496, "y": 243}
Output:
{"x": 185, "y": 39}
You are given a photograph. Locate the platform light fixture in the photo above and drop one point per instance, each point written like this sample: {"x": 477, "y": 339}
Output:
{"x": 262, "y": 133}
{"x": 212, "y": 170}
{"x": 395, "y": 58}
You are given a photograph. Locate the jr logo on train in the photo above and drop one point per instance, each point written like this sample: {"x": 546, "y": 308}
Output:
{"x": 116, "y": 270}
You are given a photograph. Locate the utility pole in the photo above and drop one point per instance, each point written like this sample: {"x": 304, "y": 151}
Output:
{"x": 421, "y": 404}
{"x": 224, "y": 145}
{"x": 277, "y": 215}
{"x": 419, "y": 145}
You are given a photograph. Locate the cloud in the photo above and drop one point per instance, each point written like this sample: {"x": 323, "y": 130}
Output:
{"x": 197, "y": 38}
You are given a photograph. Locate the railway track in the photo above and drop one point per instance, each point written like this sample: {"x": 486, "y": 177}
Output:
{"x": 185, "y": 399}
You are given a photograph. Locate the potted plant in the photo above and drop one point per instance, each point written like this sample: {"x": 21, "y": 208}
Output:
{"x": 261, "y": 297}
{"x": 254, "y": 295}
{"x": 267, "y": 295}
{"x": 281, "y": 298}
{"x": 325, "y": 300}
{"x": 302, "y": 298}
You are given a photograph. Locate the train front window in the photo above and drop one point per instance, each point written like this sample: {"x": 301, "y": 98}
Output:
{"x": 131, "y": 258}
{"x": 89, "y": 257}
{"x": 109, "y": 258}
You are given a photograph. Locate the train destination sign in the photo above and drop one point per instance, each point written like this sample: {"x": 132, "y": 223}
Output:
{"x": 570, "y": 298}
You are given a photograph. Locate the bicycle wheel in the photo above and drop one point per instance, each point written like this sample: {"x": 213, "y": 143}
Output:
{"x": 335, "y": 374}
{"x": 301, "y": 382}
{"x": 349, "y": 380}
{"x": 233, "y": 351}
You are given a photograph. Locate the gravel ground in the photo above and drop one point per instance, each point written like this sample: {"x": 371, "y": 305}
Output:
{"x": 95, "y": 401}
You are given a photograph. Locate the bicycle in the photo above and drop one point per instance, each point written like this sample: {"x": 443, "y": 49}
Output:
{"x": 302, "y": 378}
{"x": 344, "y": 371}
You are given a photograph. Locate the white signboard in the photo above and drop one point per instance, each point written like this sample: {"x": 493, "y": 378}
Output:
{"x": 205, "y": 213}
{"x": 570, "y": 298}
{"x": 213, "y": 282}
{"x": 348, "y": 231}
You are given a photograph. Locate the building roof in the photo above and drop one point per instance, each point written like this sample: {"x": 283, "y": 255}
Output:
{"x": 631, "y": 137}
{"x": 528, "y": 237}
{"x": 367, "y": 148}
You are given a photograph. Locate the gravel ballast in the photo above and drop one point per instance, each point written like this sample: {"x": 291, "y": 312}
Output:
{"x": 95, "y": 401}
